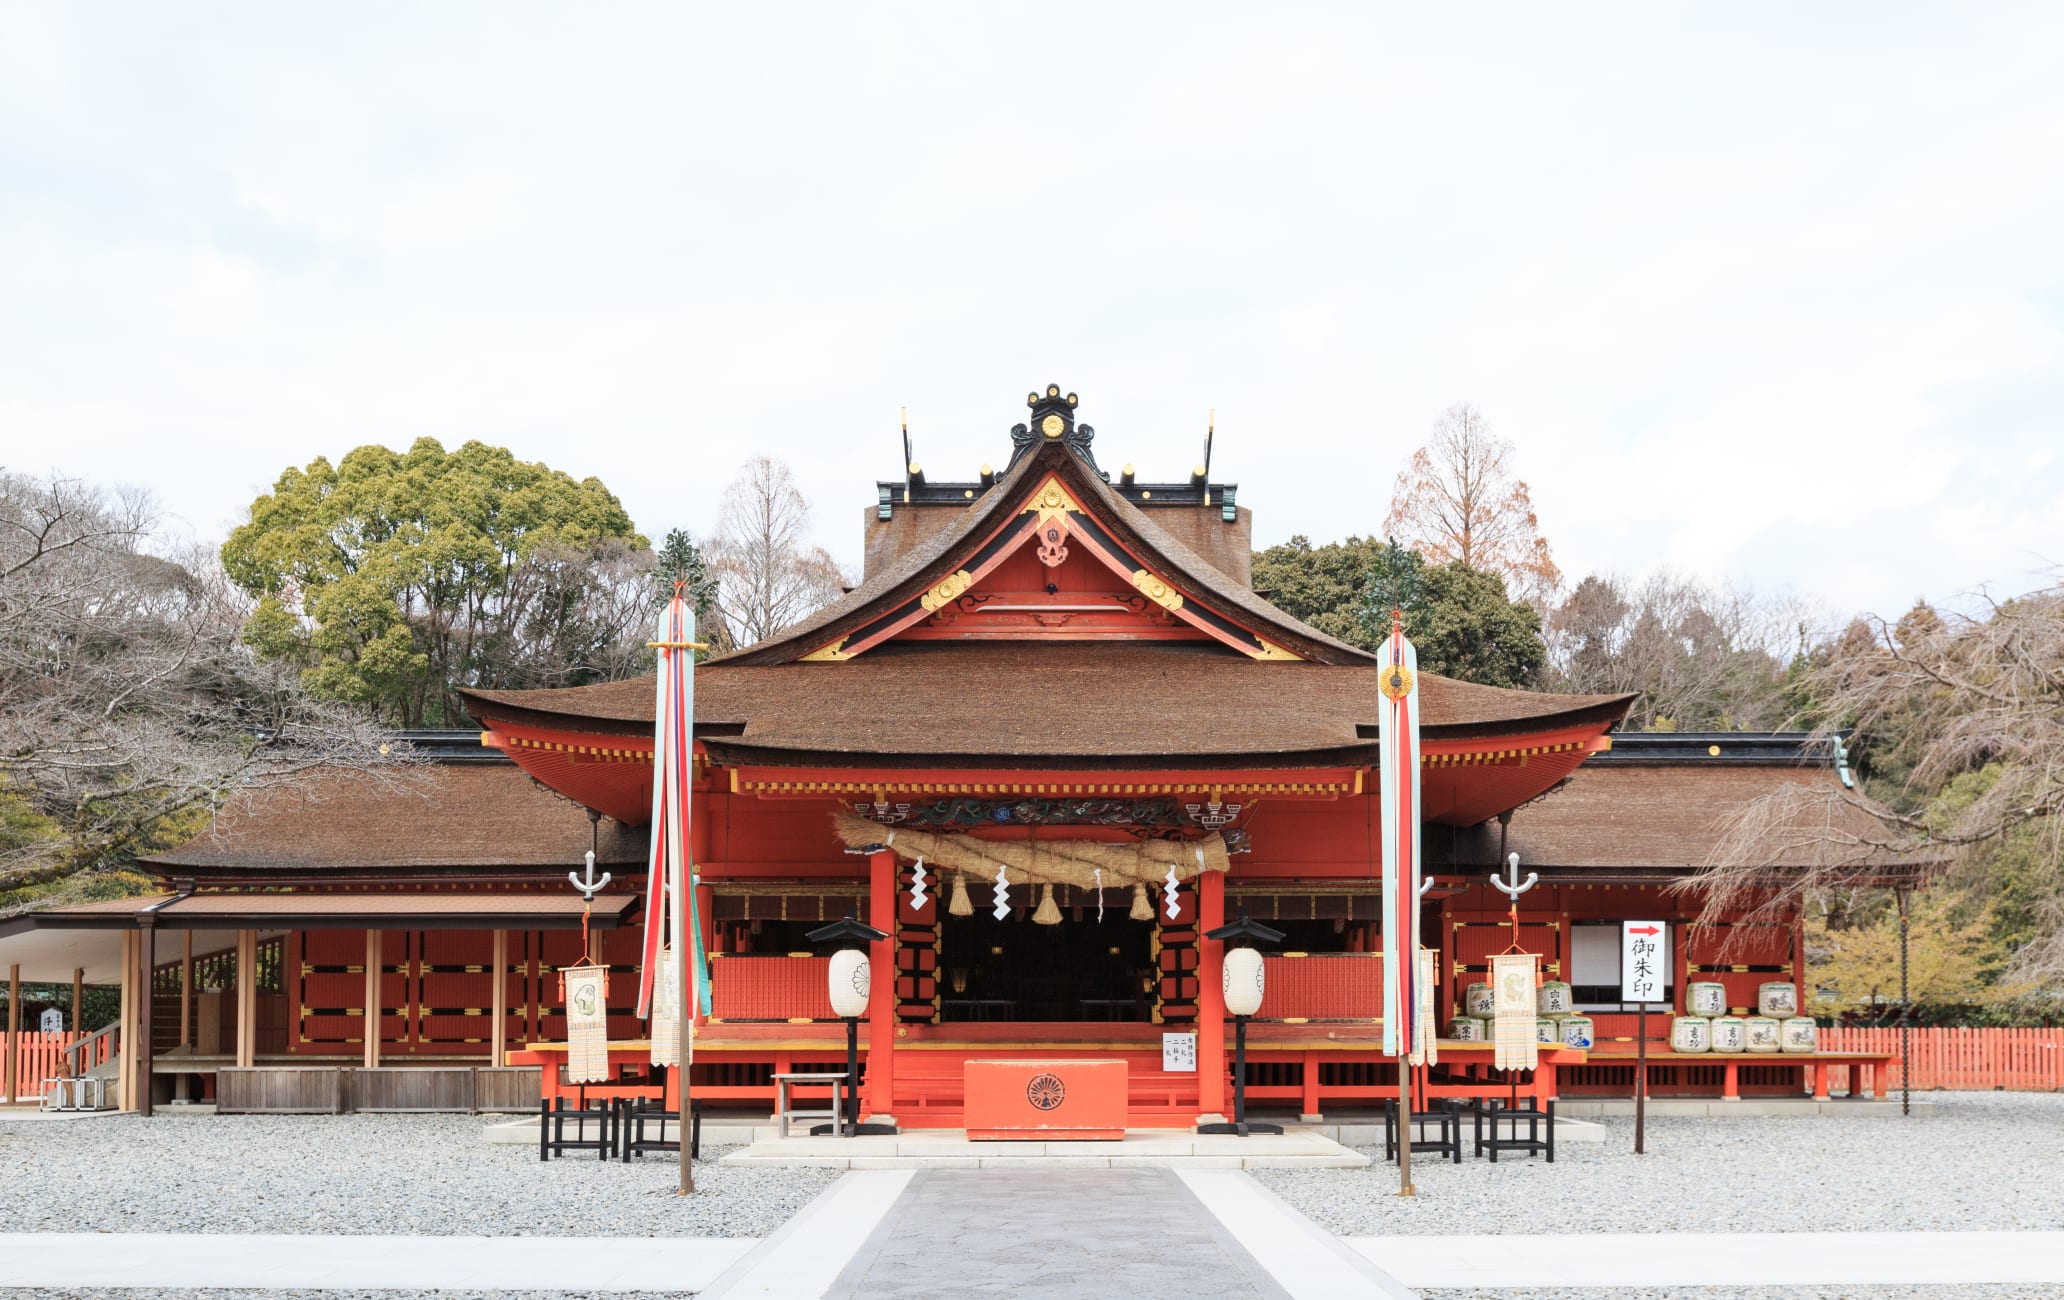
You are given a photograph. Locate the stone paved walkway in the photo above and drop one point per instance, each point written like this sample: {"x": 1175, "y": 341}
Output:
{"x": 1062, "y": 1234}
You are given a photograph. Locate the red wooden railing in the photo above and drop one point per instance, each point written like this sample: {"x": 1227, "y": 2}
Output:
{"x": 1983, "y": 1060}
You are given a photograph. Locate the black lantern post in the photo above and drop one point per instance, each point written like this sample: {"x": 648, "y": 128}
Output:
{"x": 850, "y": 981}
{"x": 1242, "y": 978}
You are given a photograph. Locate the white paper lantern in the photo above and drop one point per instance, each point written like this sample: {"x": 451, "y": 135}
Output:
{"x": 1243, "y": 978}
{"x": 849, "y": 978}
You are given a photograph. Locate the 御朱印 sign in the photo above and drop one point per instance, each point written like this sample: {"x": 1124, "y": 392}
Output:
{"x": 1644, "y": 961}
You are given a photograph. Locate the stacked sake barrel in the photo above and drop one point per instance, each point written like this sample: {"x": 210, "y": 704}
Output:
{"x": 1777, "y": 1025}
{"x": 1474, "y": 1024}
{"x": 1556, "y": 1018}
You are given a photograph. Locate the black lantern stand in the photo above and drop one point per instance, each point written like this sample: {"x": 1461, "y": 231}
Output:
{"x": 849, "y": 928}
{"x": 1255, "y": 933}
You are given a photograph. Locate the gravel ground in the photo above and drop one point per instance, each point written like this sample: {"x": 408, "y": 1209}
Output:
{"x": 404, "y": 1174}
{"x": 1976, "y": 1161}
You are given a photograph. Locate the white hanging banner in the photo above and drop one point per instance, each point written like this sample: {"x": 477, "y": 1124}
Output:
{"x": 1514, "y": 1012}
{"x": 666, "y": 1010}
{"x": 587, "y": 1023}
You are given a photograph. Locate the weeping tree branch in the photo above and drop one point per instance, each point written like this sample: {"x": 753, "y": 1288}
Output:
{"x": 1925, "y": 701}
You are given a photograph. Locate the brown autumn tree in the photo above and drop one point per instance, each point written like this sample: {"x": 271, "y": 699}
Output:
{"x": 1458, "y": 501}
{"x": 770, "y": 576}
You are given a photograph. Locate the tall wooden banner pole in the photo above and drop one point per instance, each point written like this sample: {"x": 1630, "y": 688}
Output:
{"x": 1398, "y": 750}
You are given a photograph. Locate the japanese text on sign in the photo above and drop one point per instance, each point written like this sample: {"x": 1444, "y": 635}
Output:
{"x": 1644, "y": 961}
{"x": 1178, "y": 1053}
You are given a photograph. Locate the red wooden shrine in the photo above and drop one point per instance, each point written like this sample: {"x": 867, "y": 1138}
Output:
{"x": 1045, "y": 653}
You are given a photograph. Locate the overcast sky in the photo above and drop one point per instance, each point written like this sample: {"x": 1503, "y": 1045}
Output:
{"x": 1764, "y": 293}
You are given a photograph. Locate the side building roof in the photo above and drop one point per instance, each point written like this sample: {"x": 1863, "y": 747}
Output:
{"x": 476, "y": 820}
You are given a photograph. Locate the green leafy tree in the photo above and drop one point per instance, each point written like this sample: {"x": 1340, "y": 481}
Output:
{"x": 395, "y": 578}
{"x": 1459, "y": 618}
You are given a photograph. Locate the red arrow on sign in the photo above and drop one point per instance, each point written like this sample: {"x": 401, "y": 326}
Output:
{"x": 1641, "y": 929}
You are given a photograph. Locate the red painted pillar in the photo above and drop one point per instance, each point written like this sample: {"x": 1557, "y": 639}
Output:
{"x": 880, "y": 1087}
{"x": 1211, "y": 1064}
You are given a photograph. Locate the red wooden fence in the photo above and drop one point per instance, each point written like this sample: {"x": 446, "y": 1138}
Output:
{"x": 2017, "y": 1060}
{"x": 41, "y": 1056}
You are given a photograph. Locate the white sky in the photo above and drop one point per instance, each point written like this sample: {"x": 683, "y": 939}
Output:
{"x": 1766, "y": 293}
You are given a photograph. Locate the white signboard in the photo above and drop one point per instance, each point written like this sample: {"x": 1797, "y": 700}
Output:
{"x": 1644, "y": 960}
{"x": 1179, "y": 1053}
{"x": 53, "y": 1020}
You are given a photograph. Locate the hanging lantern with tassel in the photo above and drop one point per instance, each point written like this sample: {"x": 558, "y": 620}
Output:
{"x": 1047, "y": 914}
{"x": 959, "y": 905}
{"x": 1142, "y": 910}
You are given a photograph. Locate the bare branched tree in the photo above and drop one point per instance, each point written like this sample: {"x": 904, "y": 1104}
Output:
{"x": 769, "y": 575}
{"x": 1457, "y": 500}
{"x": 129, "y": 705}
{"x": 1703, "y": 658}
{"x": 1932, "y": 697}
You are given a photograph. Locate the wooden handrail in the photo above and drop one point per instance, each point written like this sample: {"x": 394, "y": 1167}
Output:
{"x": 72, "y": 1051}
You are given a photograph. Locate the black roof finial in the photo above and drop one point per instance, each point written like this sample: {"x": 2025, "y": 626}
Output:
{"x": 1053, "y": 420}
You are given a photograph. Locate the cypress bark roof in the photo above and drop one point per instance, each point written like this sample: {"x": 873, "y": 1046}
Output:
{"x": 1094, "y": 699}
{"x": 478, "y": 819}
{"x": 1088, "y": 699}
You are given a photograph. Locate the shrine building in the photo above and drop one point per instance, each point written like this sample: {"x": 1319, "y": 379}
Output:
{"x": 1052, "y": 668}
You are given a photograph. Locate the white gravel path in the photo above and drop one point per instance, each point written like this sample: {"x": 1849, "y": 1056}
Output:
{"x": 402, "y": 1174}
{"x": 1977, "y": 1160}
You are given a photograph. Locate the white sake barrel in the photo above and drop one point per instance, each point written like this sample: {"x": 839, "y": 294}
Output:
{"x": 1799, "y": 1034}
{"x": 1691, "y": 1034}
{"x": 1730, "y": 1034}
{"x": 1777, "y": 1000}
{"x": 1705, "y": 1000}
{"x": 1548, "y": 1029}
{"x": 1576, "y": 1031}
{"x": 1763, "y": 1034}
{"x": 1553, "y": 998}
{"x": 1467, "y": 1029}
{"x": 1478, "y": 1000}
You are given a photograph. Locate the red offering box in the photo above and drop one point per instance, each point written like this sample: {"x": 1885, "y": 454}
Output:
{"x": 1032, "y": 1100}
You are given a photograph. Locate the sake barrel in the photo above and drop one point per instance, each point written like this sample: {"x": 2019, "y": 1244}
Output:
{"x": 1553, "y": 998}
{"x": 1799, "y": 1034}
{"x": 1478, "y": 1000}
{"x": 1691, "y": 1034}
{"x": 1777, "y": 1000}
{"x": 1548, "y": 1029}
{"x": 1705, "y": 999}
{"x": 1730, "y": 1034}
{"x": 1763, "y": 1034}
{"x": 1467, "y": 1029}
{"x": 1576, "y": 1031}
